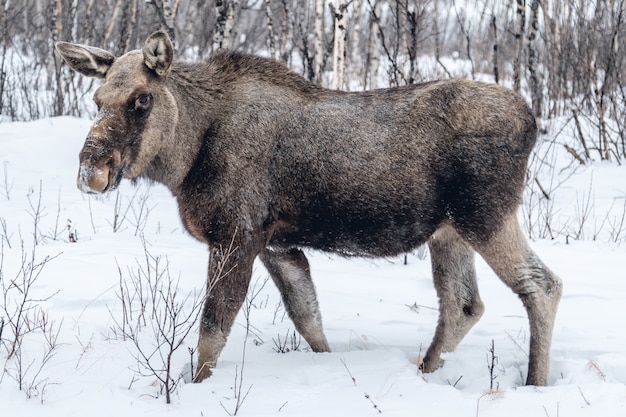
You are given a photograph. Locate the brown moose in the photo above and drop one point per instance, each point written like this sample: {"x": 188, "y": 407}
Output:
{"x": 263, "y": 163}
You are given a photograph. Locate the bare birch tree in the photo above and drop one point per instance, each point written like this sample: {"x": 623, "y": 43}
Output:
{"x": 284, "y": 29}
{"x": 372, "y": 53}
{"x": 340, "y": 20}
{"x": 166, "y": 11}
{"x": 113, "y": 22}
{"x": 534, "y": 78}
{"x": 520, "y": 12}
{"x": 226, "y": 11}
{"x": 319, "y": 58}
{"x": 437, "y": 38}
{"x": 56, "y": 25}
{"x": 355, "y": 40}
{"x": 129, "y": 26}
{"x": 270, "y": 28}
{"x": 4, "y": 32}
{"x": 496, "y": 69}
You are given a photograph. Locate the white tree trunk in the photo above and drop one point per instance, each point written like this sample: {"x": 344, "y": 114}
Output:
{"x": 318, "y": 43}
{"x": 225, "y": 10}
{"x": 229, "y": 34}
{"x": 166, "y": 10}
{"x": 270, "y": 28}
{"x": 56, "y": 24}
{"x": 534, "y": 79}
{"x": 519, "y": 44}
{"x": 339, "y": 46}
{"x": 170, "y": 8}
{"x": 114, "y": 19}
{"x": 373, "y": 50}
{"x": 356, "y": 57}
{"x": 284, "y": 32}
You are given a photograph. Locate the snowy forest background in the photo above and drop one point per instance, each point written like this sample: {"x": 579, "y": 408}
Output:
{"x": 565, "y": 56}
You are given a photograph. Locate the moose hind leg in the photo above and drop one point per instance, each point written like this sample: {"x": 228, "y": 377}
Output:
{"x": 460, "y": 306}
{"x": 508, "y": 254}
{"x": 291, "y": 273}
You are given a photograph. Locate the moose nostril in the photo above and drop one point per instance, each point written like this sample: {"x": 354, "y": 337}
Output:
{"x": 92, "y": 179}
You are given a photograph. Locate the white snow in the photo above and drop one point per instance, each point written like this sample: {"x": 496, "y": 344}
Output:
{"x": 375, "y": 336}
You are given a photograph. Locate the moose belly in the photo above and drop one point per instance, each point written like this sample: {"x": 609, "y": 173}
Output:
{"x": 358, "y": 231}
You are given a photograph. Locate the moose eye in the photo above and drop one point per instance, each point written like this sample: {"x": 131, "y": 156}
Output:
{"x": 143, "y": 101}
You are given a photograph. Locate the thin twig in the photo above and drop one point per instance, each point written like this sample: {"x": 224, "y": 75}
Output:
{"x": 349, "y": 373}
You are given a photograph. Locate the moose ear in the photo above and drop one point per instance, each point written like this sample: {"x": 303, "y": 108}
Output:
{"x": 87, "y": 60}
{"x": 158, "y": 53}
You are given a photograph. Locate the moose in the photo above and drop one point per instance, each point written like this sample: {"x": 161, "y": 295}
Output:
{"x": 264, "y": 163}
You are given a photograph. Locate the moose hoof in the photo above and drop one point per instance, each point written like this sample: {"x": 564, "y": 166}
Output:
{"x": 429, "y": 365}
{"x": 320, "y": 346}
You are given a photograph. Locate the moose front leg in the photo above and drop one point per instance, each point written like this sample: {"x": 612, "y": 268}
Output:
{"x": 229, "y": 277}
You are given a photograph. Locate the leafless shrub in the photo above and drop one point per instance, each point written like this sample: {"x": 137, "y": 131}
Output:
{"x": 151, "y": 303}
{"x": 538, "y": 206}
{"x": 156, "y": 318}
{"x": 72, "y": 233}
{"x": 58, "y": 230}
{"x": 492, "y": 361}
{"x": 545, "y": 179}
{"x": 617, "y": 222}
{"x": 253, "y": 302}
{"x": 26, "y": 369}
{"x": 135, "y": 210}
{"x": 24, "y": 319}
{"x": 7, "y": 185}
{"x": 290, "y": 343}
{"x": 277, "y": 311}
{"x": 6, "y": 237}
{"x": 85, "y": 348}
{"x": 19, "y": 305}
{"x": 557, "y": 410}
{"x": 345, "y": 365}
{"x": 140, "y": 211}
{"x": 36, "y": 212}
{"x": 367, "y": 397}
{"x": 594, "y": 367}
{"x": 118, "y": 217}
{"x": 541, "y": 218}
{"x": 239, "y": 395}
{"x": 518, "y": 341}
{"x": 455, "y": 383}
{"x": 583, "y": 395}
{"x": 492, "y": 392}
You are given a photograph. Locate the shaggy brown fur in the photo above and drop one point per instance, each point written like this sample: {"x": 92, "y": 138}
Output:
{"x": 263, "y": 162}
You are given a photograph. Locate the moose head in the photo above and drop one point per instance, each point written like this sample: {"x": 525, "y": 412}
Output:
{"x": 137, "y": 113}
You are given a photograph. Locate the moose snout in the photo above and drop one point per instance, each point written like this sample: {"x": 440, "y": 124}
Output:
{"x": 99, "y": 167}
{"x": 92, "y": 179}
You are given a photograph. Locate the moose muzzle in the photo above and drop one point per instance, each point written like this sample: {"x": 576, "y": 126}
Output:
{"x": 92, "y": 179}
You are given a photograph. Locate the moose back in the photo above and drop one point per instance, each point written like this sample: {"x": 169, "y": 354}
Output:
{"x": 264, "y": 163}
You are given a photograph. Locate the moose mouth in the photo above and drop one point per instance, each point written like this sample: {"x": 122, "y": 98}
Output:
{"x": 95, "y": 180}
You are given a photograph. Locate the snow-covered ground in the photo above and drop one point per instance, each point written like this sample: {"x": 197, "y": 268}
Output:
{"x": 379, "y": 315}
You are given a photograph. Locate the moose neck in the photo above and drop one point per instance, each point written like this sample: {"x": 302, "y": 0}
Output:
{"x": 206, "y": 92}
{"x": 196, "y": 113}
